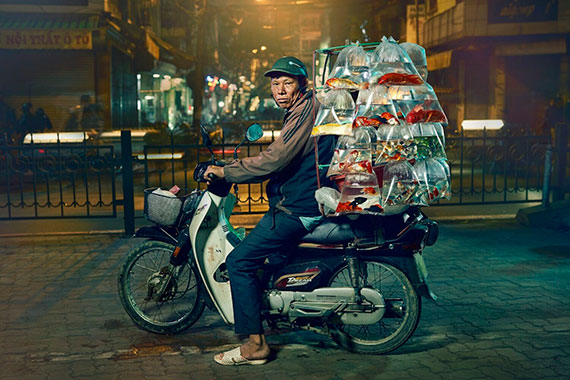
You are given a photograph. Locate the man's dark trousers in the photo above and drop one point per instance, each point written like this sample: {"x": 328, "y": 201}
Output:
{"x": 273, "y": 237}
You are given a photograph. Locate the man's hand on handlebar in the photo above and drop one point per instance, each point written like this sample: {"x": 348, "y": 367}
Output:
{"x": 213, "y": 173}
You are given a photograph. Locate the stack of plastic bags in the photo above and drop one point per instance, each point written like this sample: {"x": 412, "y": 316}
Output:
{"x": 391, "y": 149}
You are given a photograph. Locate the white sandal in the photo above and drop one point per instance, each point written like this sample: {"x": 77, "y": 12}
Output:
{"x": 233, "y": 357}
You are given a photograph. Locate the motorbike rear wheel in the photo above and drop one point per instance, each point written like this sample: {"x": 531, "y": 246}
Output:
{"x": 400, "y": 320}
{"x": 155, "y": 300}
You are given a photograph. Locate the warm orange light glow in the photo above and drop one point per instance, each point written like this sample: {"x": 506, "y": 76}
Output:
{"x": 263, "y": 48}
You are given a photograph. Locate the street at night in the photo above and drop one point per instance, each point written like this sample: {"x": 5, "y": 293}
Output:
{"x": 502, "y": 313}
{"x": 284, "y": 189}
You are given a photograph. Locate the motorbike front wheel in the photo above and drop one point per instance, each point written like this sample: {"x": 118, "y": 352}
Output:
{"x": 158, "y": 297}
{"x": 403, "y": 307}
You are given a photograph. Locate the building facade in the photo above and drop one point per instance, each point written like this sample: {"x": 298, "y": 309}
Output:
{"x": 498, "y": 59}
{"x": 63, "y": 55}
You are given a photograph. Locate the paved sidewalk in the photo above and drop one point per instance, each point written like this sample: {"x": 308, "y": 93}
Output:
{"x": 503, "y": 313}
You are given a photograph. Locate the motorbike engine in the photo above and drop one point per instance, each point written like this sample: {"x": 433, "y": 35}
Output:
{"x": 328, "y": 302}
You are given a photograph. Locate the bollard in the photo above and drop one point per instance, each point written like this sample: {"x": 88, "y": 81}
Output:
{"x": 547, "y": 171}
{"x": 561, "y": 144}
{"x": 128, "y": 193}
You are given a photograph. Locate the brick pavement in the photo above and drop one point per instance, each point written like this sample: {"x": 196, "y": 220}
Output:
{"x": 502, "y": 314}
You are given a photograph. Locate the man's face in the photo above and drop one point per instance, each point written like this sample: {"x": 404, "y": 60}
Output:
{"x": 285, "y": 90}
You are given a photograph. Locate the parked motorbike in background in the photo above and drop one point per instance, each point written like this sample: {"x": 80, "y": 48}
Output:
{"x": 360, "y": 280}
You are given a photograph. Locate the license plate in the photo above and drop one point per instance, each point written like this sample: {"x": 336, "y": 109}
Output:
{"x": 421, "y": 266}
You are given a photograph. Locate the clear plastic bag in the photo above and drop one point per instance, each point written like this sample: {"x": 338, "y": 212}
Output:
{"x": 352, "y": 154}
{"x": 360, "y": 194}
{"x": 335, "y": 115}
{"x": 395, "y": 143}
{"x": 351, "y": 70}
{"x": 433, "y": 179}
{"x": 328, "y": 198}
{"x": 422, "y": 92}
{"x": 374, "y": 108}
{"x": 445, "y": 165}
{"x": 429, "y": 140}
{"x": 418, "y": 57}
{"x": 373, "y": 135}
{"x": 401, "y": 188}
{"x": 418, "y": 111}
{"x": 391, "y": 65}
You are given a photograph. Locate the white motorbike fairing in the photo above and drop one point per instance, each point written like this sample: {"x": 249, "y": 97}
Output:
{"x": 210, "y": 247}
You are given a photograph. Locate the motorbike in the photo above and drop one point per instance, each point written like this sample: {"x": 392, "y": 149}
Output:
{"x": 359, "y": 279}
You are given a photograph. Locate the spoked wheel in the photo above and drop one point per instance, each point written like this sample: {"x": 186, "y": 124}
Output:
{"x": 403, "y": 307}
{"x": 158, "y": 297}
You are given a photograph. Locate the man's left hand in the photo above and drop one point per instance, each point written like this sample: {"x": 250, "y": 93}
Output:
{"x": 218, "y": 171}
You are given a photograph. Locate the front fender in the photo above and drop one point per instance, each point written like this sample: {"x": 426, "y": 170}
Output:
{"x": 157, "y": 233}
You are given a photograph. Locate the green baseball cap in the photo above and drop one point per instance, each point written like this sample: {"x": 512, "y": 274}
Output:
{"x": 288, "y": 65}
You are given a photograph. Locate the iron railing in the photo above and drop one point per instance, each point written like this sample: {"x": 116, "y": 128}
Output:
{"x": 79, "y": 180}
{"x": 59, "y": 180}
{"x": 491, "y": 169}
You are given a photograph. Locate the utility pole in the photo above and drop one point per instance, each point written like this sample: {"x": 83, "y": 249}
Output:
{"x": 198, "y": 77}
{"x": 417, "y": 22}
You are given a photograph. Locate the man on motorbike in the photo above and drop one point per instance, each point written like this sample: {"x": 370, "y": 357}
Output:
{"x": 289, "y": 164}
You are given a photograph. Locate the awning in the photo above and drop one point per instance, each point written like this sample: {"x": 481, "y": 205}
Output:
{"x": 21, "y": 21}
{"x": 439, "y": 61}
{"x": 40, "y": 31}
{"x": 163, "y": 51}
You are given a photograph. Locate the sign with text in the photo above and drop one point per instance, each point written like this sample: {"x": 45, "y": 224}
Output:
{"x": 503, "y": 11}
{"x": 46, "y": 39}
{"x": 46, "y": 2}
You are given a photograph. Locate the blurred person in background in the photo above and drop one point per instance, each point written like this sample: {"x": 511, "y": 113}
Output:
{"x": 42, "y": 123}
{"x": 91, "y": 115}
{"x": 554, "y": 116}
{"x": 25, "y": 124}
{"x": 7, "y": 121}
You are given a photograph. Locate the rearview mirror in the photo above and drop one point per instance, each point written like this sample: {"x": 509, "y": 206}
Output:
{"x": 207, "y": 141}
{"x": 254, "y": 132}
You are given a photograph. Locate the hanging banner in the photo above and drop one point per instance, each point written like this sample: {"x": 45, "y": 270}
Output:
{"x": 45, "y": 39}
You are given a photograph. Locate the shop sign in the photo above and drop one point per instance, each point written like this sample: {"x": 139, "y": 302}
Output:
{"x": 46, "y": 2}
{"x": 505, "y": 11}
{"x": 45, "y": 39}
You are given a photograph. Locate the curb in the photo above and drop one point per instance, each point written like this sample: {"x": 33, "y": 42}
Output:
{"x": 249, "y": 227}
{"x": 474, "y": 218}
{"x": 40, "y": 234}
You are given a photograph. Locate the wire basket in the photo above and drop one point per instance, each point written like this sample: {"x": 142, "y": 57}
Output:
{"x": 161, "y": 209}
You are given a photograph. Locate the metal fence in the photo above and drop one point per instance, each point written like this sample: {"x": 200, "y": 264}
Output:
{"x": 485, "y": 169}
{"x": 79, "y": 180}
{"x": 57, "y": 180}
{"x": 488, "y": 169}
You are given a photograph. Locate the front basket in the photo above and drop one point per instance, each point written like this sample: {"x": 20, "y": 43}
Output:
{"x": 161, "y": 209}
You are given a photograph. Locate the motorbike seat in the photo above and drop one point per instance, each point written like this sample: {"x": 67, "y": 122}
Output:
{"x": 342, "y": 230}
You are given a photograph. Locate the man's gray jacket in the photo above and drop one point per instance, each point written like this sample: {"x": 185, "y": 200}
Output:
{"x": 289, "y": 162}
